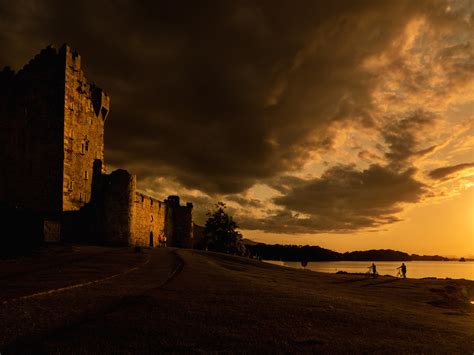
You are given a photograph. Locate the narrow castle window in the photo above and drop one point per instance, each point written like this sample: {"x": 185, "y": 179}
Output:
{"x": 84, "y": 146}
{"x": 86, "y": 175}
{"x": 70, "y": 185}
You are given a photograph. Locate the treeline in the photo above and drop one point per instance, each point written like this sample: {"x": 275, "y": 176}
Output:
{"x": 316, "y": 253}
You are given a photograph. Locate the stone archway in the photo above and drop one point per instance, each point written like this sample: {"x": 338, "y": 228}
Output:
{"x": 151, "y": 239}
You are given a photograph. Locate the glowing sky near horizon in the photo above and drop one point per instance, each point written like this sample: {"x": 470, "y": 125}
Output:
{"x": 347, "y": 124}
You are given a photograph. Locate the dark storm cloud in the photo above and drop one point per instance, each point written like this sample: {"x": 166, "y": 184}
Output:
{"x": 368, "y": 156}
{"x": 404, "y": 136}
{"x": 448, "y": 171}
{"x": 245, "y": 202}
{"x": 343, "y": 199}
{"x": 217, "y": 95}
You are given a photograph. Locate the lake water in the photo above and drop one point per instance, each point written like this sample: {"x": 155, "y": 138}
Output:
{"x": 415, "y": 269}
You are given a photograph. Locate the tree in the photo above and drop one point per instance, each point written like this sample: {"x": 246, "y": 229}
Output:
{"x": 220, "y": 233}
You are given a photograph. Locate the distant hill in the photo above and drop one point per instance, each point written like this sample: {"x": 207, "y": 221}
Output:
{"x": 249, "y": 242}
{"x": 316, "y": 253}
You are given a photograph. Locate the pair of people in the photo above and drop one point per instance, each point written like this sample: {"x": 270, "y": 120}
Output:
{"x": 402, "y": 269}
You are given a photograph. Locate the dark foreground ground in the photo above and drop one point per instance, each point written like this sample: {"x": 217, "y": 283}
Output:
{"x": 110, "y": 300}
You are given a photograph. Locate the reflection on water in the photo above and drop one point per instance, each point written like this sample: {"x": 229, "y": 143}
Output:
{"x": 415, "y": 269}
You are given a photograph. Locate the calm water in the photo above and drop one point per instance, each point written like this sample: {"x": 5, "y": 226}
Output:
{"x": 415, "y": 269}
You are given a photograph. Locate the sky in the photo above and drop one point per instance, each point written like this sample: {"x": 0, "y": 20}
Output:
{"x": 344, "y": 124}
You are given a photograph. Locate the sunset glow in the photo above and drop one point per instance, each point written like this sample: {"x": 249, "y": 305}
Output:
{"x": 348, "y": 125}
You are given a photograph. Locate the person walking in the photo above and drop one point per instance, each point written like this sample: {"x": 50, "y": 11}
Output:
{"x": 403, "y": 269}
{"x": 373, "y": 270}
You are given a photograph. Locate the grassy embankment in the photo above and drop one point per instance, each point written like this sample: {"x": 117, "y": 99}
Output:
{"x": 195, "y": 301}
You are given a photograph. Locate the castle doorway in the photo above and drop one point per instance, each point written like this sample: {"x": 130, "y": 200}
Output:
{"x": 151, "y": 239}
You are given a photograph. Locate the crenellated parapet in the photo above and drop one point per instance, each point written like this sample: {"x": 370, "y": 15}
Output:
{"x": 6, "y": 76}
{"x": 43, "y": 63}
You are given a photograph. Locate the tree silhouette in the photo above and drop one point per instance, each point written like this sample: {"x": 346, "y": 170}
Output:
{"x": 220, "y": 233}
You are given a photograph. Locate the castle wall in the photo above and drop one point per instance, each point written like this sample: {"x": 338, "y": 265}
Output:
{"x": 114, "y": 208}
{"x": 183, "y": 227}
{"x": 180, "y": 223}
{"x": 148, "y": 223}
{"x": 31, "y": 134}
{"x": 85, "y": 110}
{"x": 124, "y": 216}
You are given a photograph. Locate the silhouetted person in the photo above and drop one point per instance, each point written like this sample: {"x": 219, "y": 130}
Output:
{"x": 373, "y": 270}
{"x": 403, "y": 269}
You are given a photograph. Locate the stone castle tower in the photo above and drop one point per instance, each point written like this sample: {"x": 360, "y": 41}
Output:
{"x": 52, "y": 127}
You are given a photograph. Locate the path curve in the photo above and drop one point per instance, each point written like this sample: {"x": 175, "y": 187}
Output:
{"x": 54, "y": 310}
{"x": 82, "y": 284}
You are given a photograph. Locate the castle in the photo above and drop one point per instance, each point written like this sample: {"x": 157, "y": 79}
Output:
{"x": 51, "y": 161}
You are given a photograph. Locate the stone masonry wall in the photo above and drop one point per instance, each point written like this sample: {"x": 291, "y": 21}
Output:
{"x": 124, "y": 216}
{"x": 183, "y": 227}
{"x": 114, "y": 207}
{"x": 179, "y": 223}
{"x": 85, "y": 110}
{"x": 31, "y": 133}
{"x": 148, "y": 221}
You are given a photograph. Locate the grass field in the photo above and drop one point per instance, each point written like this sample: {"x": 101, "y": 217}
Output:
{"x": 190, "y": 301}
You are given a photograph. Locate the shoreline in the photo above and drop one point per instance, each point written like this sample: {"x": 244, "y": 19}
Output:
{"x": 416, "y": 269}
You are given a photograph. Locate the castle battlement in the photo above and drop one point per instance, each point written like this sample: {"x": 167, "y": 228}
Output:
{"x": 46, "y": 57}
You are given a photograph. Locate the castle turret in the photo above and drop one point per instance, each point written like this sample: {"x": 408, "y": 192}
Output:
{"x": 179, "y": 223}
{"x": 115, "y": 207}
{"x": 51, "y": 131}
